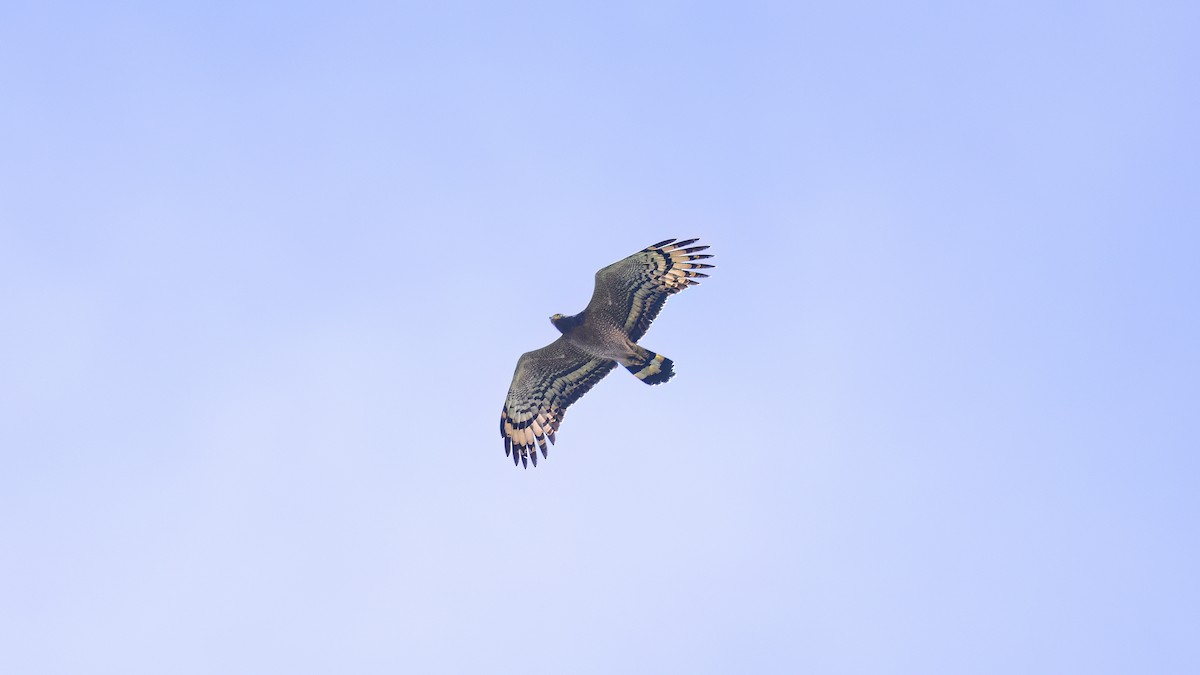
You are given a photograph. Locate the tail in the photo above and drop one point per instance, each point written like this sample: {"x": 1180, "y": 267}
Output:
{"x": 651, "y": 368}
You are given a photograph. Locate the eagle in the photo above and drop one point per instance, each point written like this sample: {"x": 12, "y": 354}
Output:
{"x": 629, "y": 294}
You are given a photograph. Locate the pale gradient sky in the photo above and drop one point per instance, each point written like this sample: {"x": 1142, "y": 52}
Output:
{"x": 265, "y": 273}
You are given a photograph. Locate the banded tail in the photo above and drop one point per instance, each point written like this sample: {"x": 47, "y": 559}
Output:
{"x": 652, "y": 368}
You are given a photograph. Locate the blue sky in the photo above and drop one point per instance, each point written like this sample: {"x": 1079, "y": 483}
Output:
{"x": 265, "y": 273}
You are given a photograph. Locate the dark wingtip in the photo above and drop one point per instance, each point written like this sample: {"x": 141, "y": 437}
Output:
{"x": 685, "y": 242}
{"x": 525, "y": 460}
{"x": 661, "y": 243}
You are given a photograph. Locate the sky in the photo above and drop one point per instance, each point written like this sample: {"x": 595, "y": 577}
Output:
{"x": 266, "y": 270}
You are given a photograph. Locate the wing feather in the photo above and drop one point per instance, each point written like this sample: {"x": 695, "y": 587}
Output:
{"x": 546, "y": 381}
{"x": 632, "y": 291}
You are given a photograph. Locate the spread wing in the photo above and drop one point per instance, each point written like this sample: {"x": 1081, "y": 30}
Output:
{"x": 632, "y": 291}
{"x": 546, "y": 381}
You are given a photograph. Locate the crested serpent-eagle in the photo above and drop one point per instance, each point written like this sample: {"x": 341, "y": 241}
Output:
{"x": 629, "y": 294}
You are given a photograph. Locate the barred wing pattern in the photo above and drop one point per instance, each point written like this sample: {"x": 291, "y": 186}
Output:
{"x": 546, "y": 381}
{"x": 634, "y": 290}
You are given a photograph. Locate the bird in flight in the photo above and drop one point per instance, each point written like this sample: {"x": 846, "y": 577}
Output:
{"x": 629, "y": 294}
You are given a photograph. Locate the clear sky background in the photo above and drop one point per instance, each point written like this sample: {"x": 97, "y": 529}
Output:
{"x": 266, "y": 269}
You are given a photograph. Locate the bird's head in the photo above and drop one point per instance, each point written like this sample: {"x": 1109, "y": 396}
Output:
{"x": 562, "y": 323}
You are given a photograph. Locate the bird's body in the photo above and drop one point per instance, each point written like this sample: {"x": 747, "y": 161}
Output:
{"x": 597, "y": 338}
{"x": 628, "y": 295}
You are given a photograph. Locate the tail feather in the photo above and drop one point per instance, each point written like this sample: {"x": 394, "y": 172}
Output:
{"x": 652, "y": 368}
